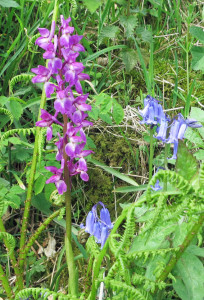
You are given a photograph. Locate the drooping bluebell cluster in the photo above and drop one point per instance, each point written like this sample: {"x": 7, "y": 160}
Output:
{"x": 98, "y": 227}
{"x": 154, "y": 115}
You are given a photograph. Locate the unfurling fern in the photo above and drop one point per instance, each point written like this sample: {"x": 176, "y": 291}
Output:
{"x": 177, "y": 180}
{"x": 18, "y": 78}
{"x": 9, "y": 239}
{"x": 126, "y": 290}
{"x": 74, "y": 7}
{"x": 151, "y": 224}
{"x": 148, "y": 284}
{"x": 18, "y": 131}
{"x": 31, "y": 43}
{"x": 40, "y": 293}
{"x": 146, "y": 253}
{"x": 8, "y": 113}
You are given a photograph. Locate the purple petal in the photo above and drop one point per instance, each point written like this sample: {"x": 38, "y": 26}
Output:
{"x": 49, "y": 133}
{"x": 84, "y": 176}
{"x": 44, "y": 32}
{"x": 61, "y": 186}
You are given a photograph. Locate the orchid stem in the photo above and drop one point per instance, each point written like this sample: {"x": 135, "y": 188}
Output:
{"x": 73, "y": 282}
{"x": 151, "y": 154}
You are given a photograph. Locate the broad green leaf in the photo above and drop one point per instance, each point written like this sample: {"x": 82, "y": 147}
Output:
{"x": 197, "y": 114}
{"x": 155, "y": 241}
{"x": 15, "y": 189}
{"x": 129, "y": 23}
{"x": 102, "y": 99}
{"x": 113, "y": 172}
{"x": 39, "y": 184}
{"x": 189, "y": 273}
{"x": 129, "y": 58}
{"x": 199, "y": 154}
{"x": 92, "y": 5}
{"x": 128, "y": 189}
{"x": 193, "y": 249}
{"x": 192, "y": 134}
{"x": 94, "y": 113}
{"x": 13, "y": 200}
{"x": 109, "y": 32}
{"x": 9, "y": 3}
{"x": 118, "y": 112}
{"x": 106, "y": 106}
{"x": 145, "y": 34}
{"x": 180, "y": 234}
{"x": 90, "y": 143}
{"x": 106, "y": 118}
{"x": 186, "y": 164}
{"x": 16, "y": 109}
{"x": 3, "y": 100}
{"x": 197, "y": 58}
{"x": 197, "y": 32}
{"x": 14, "y": 140}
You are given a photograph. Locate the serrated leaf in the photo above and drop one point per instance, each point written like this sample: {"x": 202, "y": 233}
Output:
{"x": 14, "y": 140}
{"x": 92, "y": 5}
{"x": 129, "y": 58}
{"x": 109, "y": 32}
{"x": 39, "y": 184}
{"x": 101, "y": 98}
{"x": 9, "y": 3}
{"x": 16, "y": 109}
{"x": 106, "y": 118}
{"x": 193, "y": 249}
{"x": 197, "y": 32}
{"x": 145, "y": 34}
{"x": 129, "y": 23}
{"x": 94, "y": 113}
{"x": 186, "y": 164}
{"x": 13, "y": 200}
{"x": 197, "y": 58}
{"x": 118, "y": 112}
{"x": 90, "y": 143}
{"x": 15, "y": 189}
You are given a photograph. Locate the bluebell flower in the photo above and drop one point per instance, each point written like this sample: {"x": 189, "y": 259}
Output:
{"x": 152, "y": 113}
{"x": 178, "y": 129}
{"x": 98, "y": 227}
{"x": 157, "y": 187}
{"x": 161, "y": 130}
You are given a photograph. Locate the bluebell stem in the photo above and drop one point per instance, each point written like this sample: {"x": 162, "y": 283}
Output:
{"x": 98, "y": 227}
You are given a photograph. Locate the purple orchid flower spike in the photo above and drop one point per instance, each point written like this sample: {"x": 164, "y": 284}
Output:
{"x": 57, "y": 178}
{"x": 46, "y": 37}
{"x": 43, "y": 74}
{"x": 62, "y": 75}
{"x": 47, "y": 121}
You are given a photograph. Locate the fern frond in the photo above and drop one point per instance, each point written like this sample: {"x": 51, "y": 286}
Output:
{"x": 129, "y": 231}
{"x": 153, "y": 253}
{"x": 92, "y": 247}
{"x": 151, "y": 224}
{"x": 128, "y": 291}
{"x": 40, "y": 293}
{"x": 18, "y": 131}
{"x": 10, "y": 240}
{"x": 41, "y": 142}
{"x": 8, "y": 113}
{"x": 113, "y": 243}
{"x": 147, "y": 283}
{"x": 1, "y": 207}
{"x": 74, "y": 7}
{"x": 113, "y": 270}
{"x": 18, "y": 78}
{"x": 177, "y": 180}
{"x": 31, "y": 43}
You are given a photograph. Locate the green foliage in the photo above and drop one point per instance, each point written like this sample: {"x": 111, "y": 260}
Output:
{"x": 22, "y": 77}
{"x": 40, "y": 293}
{"x": 8, "y": 113}
{"x": 10, "y": 240}
{"x": 9, "y": 3}
{"x": 92, "y": 5}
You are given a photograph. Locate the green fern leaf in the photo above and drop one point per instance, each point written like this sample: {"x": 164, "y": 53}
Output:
{"x": 10, "y": 240}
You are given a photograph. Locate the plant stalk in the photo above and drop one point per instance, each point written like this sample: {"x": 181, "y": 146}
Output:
{"x": 5, "y": 283}
{"x": 73, "y": 282}
{"x": 151, "y": 154}
{"x": 12, "y": 258}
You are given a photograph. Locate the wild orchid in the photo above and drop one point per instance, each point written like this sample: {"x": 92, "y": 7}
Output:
{"x": 62, "y": 75}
